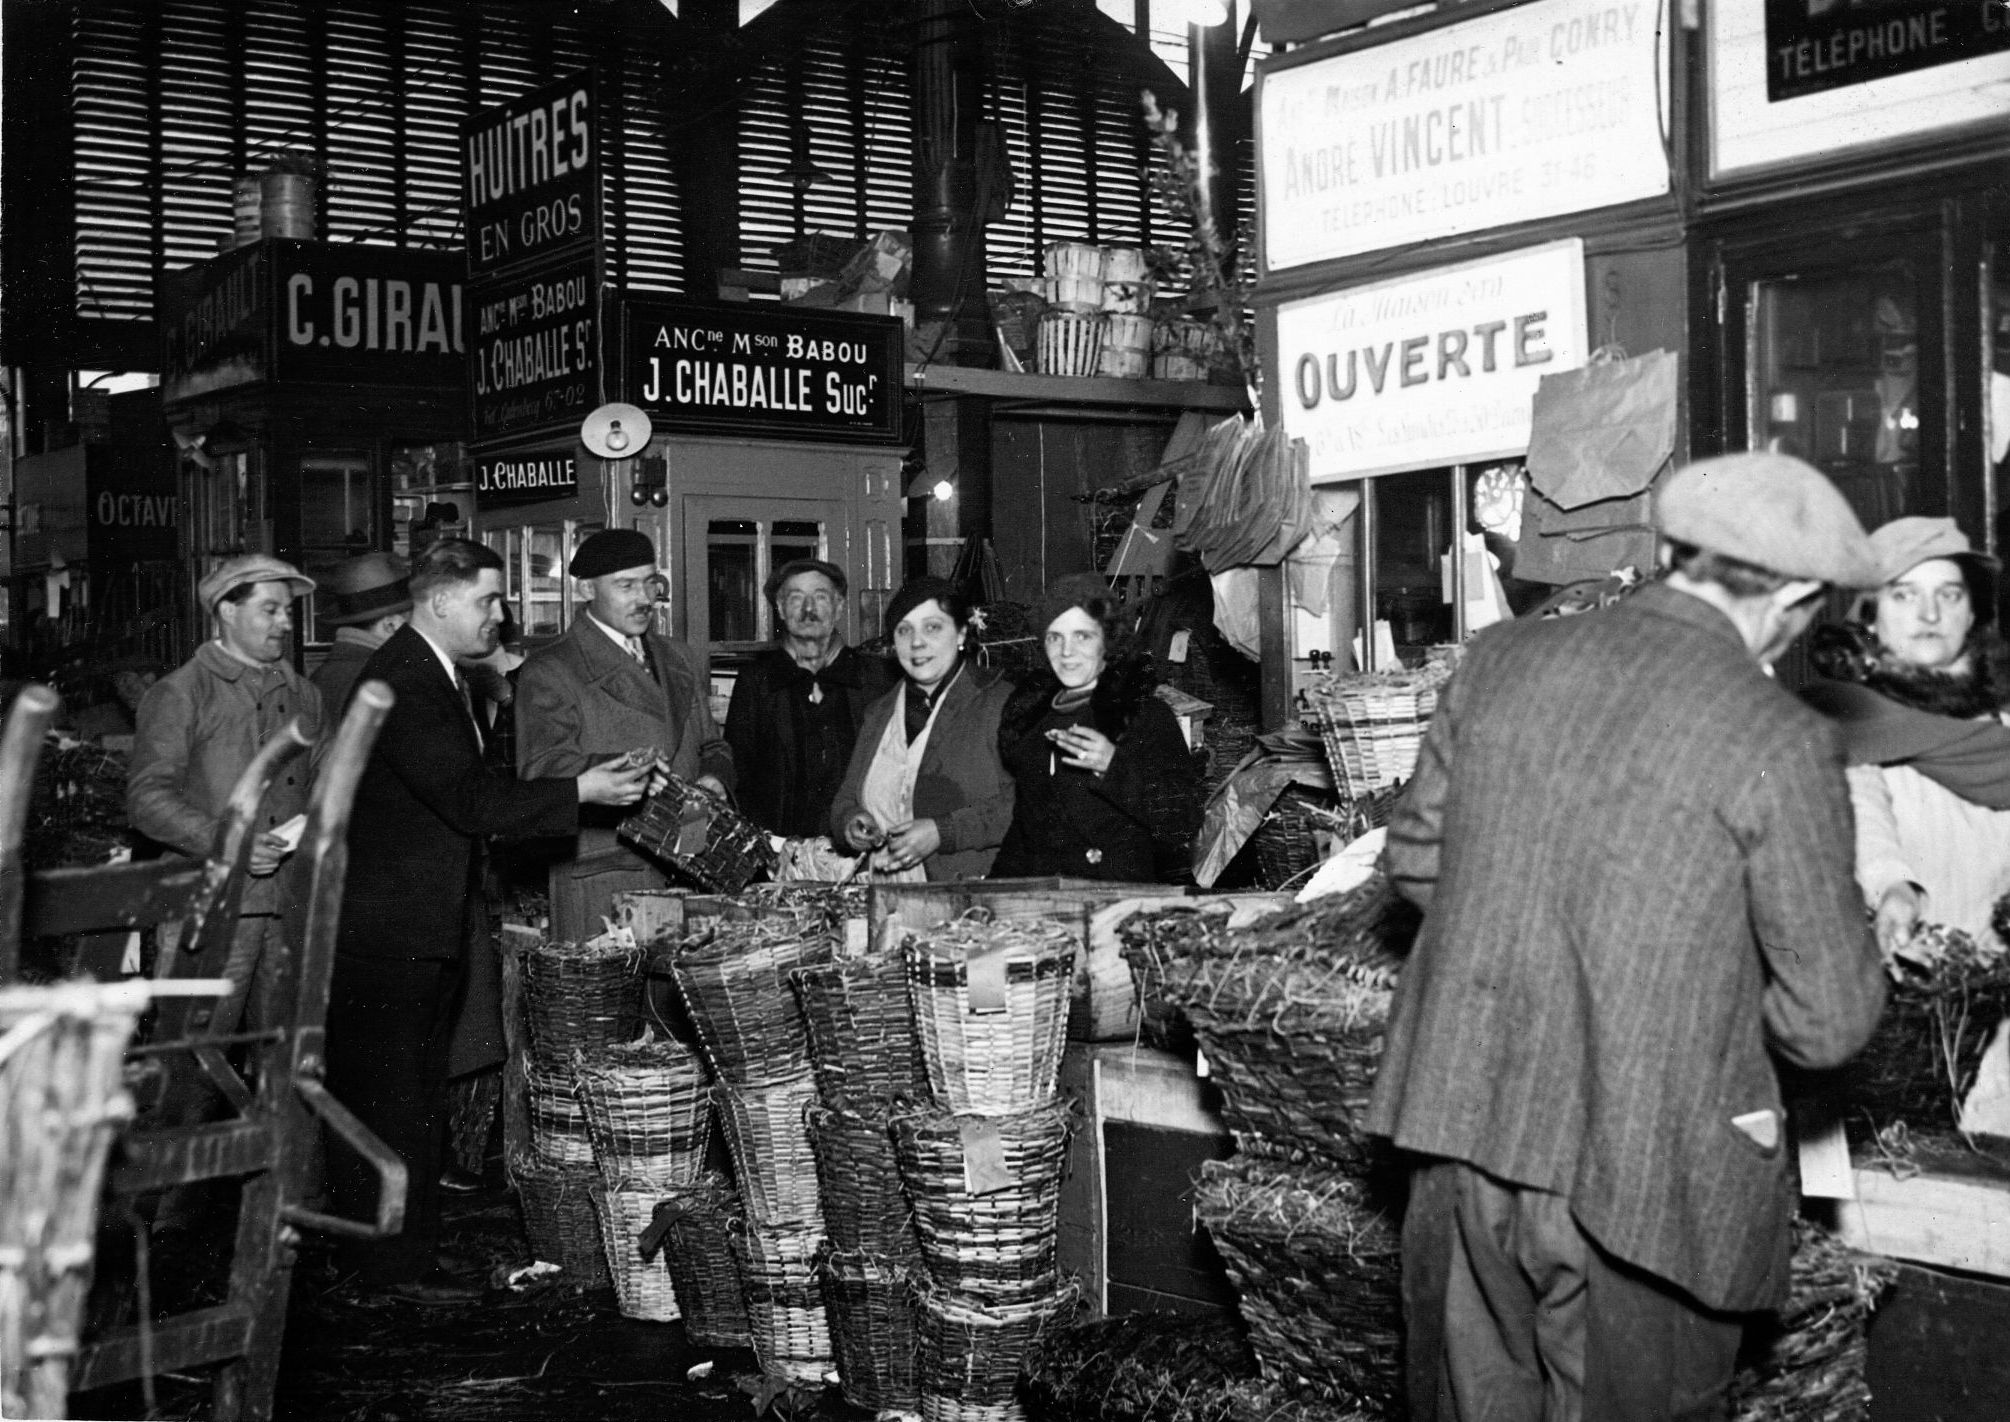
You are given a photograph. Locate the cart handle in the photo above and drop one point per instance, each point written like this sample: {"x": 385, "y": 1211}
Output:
{"x": 389, "y": 1165}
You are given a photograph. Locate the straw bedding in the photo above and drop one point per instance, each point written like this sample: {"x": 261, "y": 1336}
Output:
{"x": 1947, "y": 995}
{"x": 1809, "y": 1365}
{"x": 1140, "y": 1367}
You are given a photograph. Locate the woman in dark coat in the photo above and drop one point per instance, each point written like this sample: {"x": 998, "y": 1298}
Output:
{"x": 1104, "y": 785}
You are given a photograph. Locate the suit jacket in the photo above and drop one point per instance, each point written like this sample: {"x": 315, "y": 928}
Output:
{"x": 961, "y": 785}
{"x": 423, "y": 808}
{"x": 582, "y": 700}
{"x": 1633, "y": 850}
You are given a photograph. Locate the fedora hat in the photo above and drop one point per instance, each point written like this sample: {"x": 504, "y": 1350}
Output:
{"x": 364, "y": 589}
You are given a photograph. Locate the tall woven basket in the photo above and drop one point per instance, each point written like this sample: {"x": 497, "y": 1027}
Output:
{"x": 970, "y": 1357}
{"x": 642, "y": 1287}
{"x": 987, "y": 1243}
{"x": 558, "y": 1134}
{"x": 700, "y": 1260}
{"x": 785, "y": 1310}
{"x": 579, "y": 997}
{"x": 735, "y": 981}
{"x": 861, "y": 1031}
{"x": 62, "y": 1102}
{"x": 768, "y": 1136}
{"x": 858, "y": 1175}
{"x": 1373, "y": 726}
{"x": 558, "y": 1217}
{"x": 648, "y": 1109}
{"x": 997, "y": 1050}
{"x": 873, "y": 1306}
{"x": 703, "y": 838}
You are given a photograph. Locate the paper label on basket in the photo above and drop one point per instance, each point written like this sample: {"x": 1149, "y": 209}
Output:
{"x": 1176, "y": 649}
{"x": 856, "y": 932}
{"x": 984, "y": 1168}
{"x": 986, "y": 975}
{"x": 693, "y": 831}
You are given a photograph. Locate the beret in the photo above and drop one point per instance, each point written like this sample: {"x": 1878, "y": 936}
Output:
{"x": 234, "y": 573}
{"x": 612, "y": 550}
{"x": 1772, "y": 511}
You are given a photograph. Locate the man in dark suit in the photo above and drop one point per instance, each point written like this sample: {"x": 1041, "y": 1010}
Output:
{"x": 424, "y": 808}
{"x": 1633, "y": 851}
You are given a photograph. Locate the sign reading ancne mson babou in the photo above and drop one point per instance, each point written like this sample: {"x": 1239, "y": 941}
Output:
{"x": 762, "y": 369}
{"x": 535, "y": 363}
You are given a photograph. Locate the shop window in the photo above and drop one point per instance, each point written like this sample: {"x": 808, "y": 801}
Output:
{"x": 739, "y": 555}
{"x": 338, "y": 520}
{"x": 535, "y": 583}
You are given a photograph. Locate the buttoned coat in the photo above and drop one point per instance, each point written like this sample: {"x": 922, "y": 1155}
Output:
{"x": 583, "y": 700}
{"x": 1633, "y": 850}
{"x": 961, "y": 783}
{"x": 765, "y": 727}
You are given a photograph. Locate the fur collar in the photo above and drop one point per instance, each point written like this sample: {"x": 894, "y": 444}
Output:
{"x": 1850, "y": 652}
{"x": 1119, "y": 692}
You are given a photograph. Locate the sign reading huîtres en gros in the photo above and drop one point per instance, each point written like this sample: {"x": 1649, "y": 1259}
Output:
{"x": 1553, "y": 107}
{"x": 764, "y": 369}
{"x": 531, "y": 175}
{"x": 1430, "y": 370}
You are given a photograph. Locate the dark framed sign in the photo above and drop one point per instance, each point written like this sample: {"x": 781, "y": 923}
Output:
{"x": 535, "y": 359}
{"x": 530, "y": 185}
{"x": 743, "y": 368}
{"x": 525, "y": 478}
{"x": 1813, "y": 45}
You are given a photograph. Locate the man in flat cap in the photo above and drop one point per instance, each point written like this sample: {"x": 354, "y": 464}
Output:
{"x": 797, "y": 708}
{"x": 369, "y": 598}
{"x": 613, "y": 683}
{"x": 1632, "y": 850}
{"x": 200, "y": 725}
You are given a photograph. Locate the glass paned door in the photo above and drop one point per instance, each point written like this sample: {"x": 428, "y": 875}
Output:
{"x": 732, "y": 545}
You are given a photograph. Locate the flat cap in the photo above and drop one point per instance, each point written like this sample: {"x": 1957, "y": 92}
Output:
{"x": 1772, "y": 511}
{"x": 1905, "y": 543}
{"x": 805, "y": 565}
{"x": 234, "y": 573}
{"x": 612, "y": 550}
{"x": 365, "y": 589}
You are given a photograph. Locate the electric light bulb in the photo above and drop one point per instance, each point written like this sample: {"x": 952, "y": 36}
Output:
{"x": 617, "y": 437}
{"x": 944, "y": 490}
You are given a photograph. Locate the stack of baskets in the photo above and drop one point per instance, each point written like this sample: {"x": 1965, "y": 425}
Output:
{"x": 576, "y": 999}
{"x": 982, "y": 1163}
{"x": 1373, "y": 725}
{"x": 734, "y": 978}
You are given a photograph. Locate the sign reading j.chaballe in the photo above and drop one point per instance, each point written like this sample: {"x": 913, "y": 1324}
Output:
{"x": 1533, "y": 111}
{"x": 525, "y": 478}
{"x": 1439, "y": 368}
{"x": 535, "y": 357}
{"x": 531, "y": 180}
{"x": 777, "y": 370}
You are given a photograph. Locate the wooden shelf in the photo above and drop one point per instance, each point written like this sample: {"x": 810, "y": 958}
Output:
{"x": 1060, "y": 391}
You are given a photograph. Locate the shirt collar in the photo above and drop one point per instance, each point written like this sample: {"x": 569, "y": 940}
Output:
{"x": 227, "y": 664}
{"x": 446, "y": 662}
{"x": 620, "y": 639}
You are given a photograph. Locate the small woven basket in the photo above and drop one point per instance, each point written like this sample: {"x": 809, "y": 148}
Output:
{"x": 1287, "y": 841}
{"x": 785, "y": 1311}
{"x": 997, "y": 1248}
{"x": 579, "y": 997}
{"x": 768, "y": 1136}
{"x": 858, "y": 1175}
{"x": 700, "y": 1260}
{"x": 873, "y": 1306}
{"x": 701, "y": 837}
{"x": 558, "y": 1217}
{"x": 992, "y": 1062}
{"x": 970, "y": 1357}
{"x": 648, "y": 1109}
{"x": 558, "y": 1134}
{"x": 860, "y": 1021}
{"x": 642, "y": 1287}
{"x": 1373, "y": 729}
{"x": 734, "y": 979}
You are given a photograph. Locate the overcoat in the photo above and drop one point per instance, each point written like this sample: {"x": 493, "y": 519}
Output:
{"x": 765, "y": 726}
{"x": 1633, "y": 852}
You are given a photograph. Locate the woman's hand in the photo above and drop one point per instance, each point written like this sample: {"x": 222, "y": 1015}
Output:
{"x": 1084, "y": 748}
{"x": 1897, "y": 917}
{"x": 908, "y": 845}
{"x": 862, "y": 832}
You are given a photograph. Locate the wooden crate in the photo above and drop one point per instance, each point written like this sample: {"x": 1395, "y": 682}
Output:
{"x": 1956, "y": 1220}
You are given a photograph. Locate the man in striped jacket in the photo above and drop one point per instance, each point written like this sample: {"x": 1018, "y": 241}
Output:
{"x": 1633, "y": 850}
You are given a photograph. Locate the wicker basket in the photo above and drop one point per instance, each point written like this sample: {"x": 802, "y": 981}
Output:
{"x": 1287, "y": 841}
{"x": 999, "y": 1247}
{"x": 768, "y": 1135}
{"x": 858, "y": 1175}
{"x": 861, "y": 1031}
{"x": 642, "y": 1287}
{"x": 701, "y": 837}
{"x": 558, "y": 1134}
{"x": 700, "y": 1259}
{"x": 994, "y": 1062}
{"x": 735, "y": 981}
{"x": 970, "y": 1358}
{"x": 1373, "y": 729}
{"x": 1071, "y": 343}
{"x": 873, "y": 1307}
{"x": 648, "y": 1111}
{"x": 785, "y": 1311}
{"x": 558, "y": 1218}
{"x": 579, "y": 997}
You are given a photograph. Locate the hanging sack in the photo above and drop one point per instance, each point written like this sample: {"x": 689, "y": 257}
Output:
{"x": 1604, "y": 431}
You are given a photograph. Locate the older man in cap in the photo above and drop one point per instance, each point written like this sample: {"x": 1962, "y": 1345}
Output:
{"x": 797, "y": 708}
{"x": 1633, "y": 854}
{"x": 611, "y": 684}
{"x": 369, "y": 598}
{"x": 199, "y": 727}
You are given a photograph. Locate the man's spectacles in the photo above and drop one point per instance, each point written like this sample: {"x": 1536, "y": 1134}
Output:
{"x": 795, "y": 601}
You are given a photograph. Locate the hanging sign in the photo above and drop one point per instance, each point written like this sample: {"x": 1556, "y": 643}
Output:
{"x": 1815, "y": 45}
{"x": 742, "y": 368}
{"x": 525, "y": 478}
{"x": 1430, "y": 370}
{"x": 1538, "y": 110}
{"x": 530, "y": 176}
{"x": 534, "y": 363}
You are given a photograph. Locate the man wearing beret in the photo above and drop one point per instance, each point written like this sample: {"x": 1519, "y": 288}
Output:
{"x": 199, "y": 727}
{"x": 613, "y": 683}
{"x": 369, "y": 598}
{"x": 1633, "y": 854}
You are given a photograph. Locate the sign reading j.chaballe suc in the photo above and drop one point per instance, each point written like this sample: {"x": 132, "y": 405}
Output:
{"x": 1814, "y": 45}
{"x": 763, "y": 369}
{"x": 531, "y": 176}
{"x": 535, "y": 354}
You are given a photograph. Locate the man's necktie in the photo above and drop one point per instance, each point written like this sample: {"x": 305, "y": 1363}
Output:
{"x": 468, "y": 703}
{"x": 639, "y": 649}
